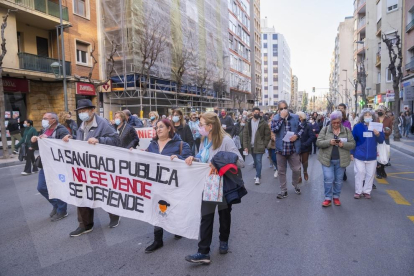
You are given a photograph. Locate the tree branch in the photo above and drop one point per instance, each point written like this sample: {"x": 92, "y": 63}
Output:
{"x": 110, "y": 61}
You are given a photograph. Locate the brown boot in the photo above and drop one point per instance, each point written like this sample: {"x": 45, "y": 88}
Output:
{"x": 306, "y": 176}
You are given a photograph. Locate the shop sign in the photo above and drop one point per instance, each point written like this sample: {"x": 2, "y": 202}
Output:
{"x": 390, "y": 96}
{"x": 16, "y": 85}
{"x": 86, "y": 89}
{"x": 408, "y": 93}
{"x": 107, "y": 87}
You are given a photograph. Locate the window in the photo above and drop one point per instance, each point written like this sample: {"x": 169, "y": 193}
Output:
{"x": 275, "y": 96}
{"x": 274, "y": 36}
{"x": 392, "y": 5}
{"x": 19, "y": 42}
{"x": 264, "y": 45}
{"x": 388, "y": 75}
{"x": 79, "y": 7}
{"x": 82, "y": 52}
{"x": 265, "y": 36}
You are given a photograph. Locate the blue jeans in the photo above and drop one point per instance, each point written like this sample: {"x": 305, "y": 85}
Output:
{"x": 407, "y": 130}
{"x": 257, "y": 158}
{"x": 272, "y": 153}
{"x": 60, "y": 206}
{"x": 332, "y": 179}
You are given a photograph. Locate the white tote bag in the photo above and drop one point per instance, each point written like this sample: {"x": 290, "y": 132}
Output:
{"x": 383, "y": 153}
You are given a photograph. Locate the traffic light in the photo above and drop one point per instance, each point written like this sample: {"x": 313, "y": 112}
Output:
{"x": 313, "y": 89}
{"x": 361, "y": 103}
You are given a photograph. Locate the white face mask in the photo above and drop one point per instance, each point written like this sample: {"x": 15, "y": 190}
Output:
{"x": 45, "y": 124}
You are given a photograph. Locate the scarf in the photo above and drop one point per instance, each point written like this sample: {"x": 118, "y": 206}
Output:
{"x": 204, "y": 154}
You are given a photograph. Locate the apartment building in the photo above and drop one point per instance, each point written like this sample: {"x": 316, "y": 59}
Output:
{"x": 276, "y": 70}
{"x": 256, "y": 55}
{"x": 33, "y": 45}
{"x": 408, "y": 54}
{"x": 373, "y": 19}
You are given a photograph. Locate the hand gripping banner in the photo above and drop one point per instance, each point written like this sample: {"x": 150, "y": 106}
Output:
{"x": 138, "y": 185}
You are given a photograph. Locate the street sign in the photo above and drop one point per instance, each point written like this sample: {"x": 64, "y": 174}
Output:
{"x": 390, "y": 96}
{"x": 408, "y": 93}
{"x": 107, "y": 87}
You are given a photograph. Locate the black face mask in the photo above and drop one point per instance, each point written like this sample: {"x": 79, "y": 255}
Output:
{"x": 380, "y": 114}
{"x": 256, "y": 116}
{"x": 68, "y": 121}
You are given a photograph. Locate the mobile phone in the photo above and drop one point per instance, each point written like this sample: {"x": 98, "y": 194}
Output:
{"x": 337, "y": 140}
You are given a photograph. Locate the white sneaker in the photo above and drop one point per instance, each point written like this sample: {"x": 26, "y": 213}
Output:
{"x": 276, "y": 174}
{"x": 25, "y": 173}
{"x": 257, "y": 181}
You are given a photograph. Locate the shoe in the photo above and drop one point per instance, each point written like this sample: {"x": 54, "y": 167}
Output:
{"x": 198, "y": 258}
{"x": 326, "y": 203}
{"x": 357, "y": 196}
{"x": 54, "y": 211}
{"x": 25, "y": 173}
{"x": 297, "y": 191}
{"x": 15, "y": 152}
{"x": 177, "y": 237}
{"x": 379, "y": 176}
{"x": 367, "y": 196}
{"x": 224, "y": 247}
{"x": 300, "y": 180}
{"x": 337, "y": 202}
{"x": 257, "y": 181}
{"x": 57, "y": 217}
{"x": 345, "y": 177}
{"x": 80, "y": 231}
{"x": 276, "y": 174}
{"x": 282, "y": 195}
{"x": 114, "y": 222}
{"x": 306, "y": 176}
{"x": 374, "y": 186}
{"x": 36, "y": 171}
{"x": 154, "y": 246}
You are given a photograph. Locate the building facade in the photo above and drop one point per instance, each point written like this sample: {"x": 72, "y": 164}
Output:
{"x": 294, "y": 103}
{"x": 276, "y": 70}
{"x": 256, "y": 55}
{"x": 33, "y": 44}
{"x": 408, "y": 54}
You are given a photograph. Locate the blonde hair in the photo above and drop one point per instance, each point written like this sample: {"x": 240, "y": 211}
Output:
{"x": 301, "y": 115}
{"x": 217, "y": 132}
{"x": 62, "y": 116}
{"x": 122, "y": 115}
{"x": 155, "y": 113}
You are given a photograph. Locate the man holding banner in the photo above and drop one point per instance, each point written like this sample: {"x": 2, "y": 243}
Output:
{"x": 94, "y": 130}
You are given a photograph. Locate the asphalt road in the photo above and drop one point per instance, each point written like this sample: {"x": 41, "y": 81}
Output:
{"x": 293, "y": 236}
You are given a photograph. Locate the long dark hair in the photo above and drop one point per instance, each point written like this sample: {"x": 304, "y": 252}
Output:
{"x": 168, "y": 124}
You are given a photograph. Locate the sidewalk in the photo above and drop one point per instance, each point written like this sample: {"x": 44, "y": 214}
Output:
{"x": 12, "y": 161}
{"x": 405, "y": 145}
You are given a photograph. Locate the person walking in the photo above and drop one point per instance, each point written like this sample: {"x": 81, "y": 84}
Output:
{"x": 315, "y": 128}
{"x": 226, "y": 122}
{"x": 213, "y": 140}
{"x": 288, "y": 131}
{"x": 181, "y": 128}
{"x": 407, "y": 125}
{"x": 401, "y": 123}
{"x": 335, "y": 143}
{"x": 241, "y": 127}
{"x": 128, "y": 136}
{"x": 256, "y": 137}
{"x": 193, "y": 124}
{"x": 51, "y": 130}
{"x": 365, "y": 153}
{"x": 387, "y": 126}
{"x": 306, "y": 140}
{"x": 271, "y": 147}
{"x": 153, "y": 119}
{"x": 166, "y": 142}
{"x": 94, "y": 130}
{"x": 13, "y": 127}
{"x": 29, "y": 132}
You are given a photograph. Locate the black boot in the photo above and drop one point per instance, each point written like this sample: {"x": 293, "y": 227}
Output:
{"x": 154, "y": 246}
{"x": 345, "y": 177}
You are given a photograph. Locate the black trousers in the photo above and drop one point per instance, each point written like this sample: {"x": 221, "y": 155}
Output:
{"x": 207, "y": 220}
{"x": 85, "y": 217}
{"x": 241, "y": 150}
{"x": 30, "y": 159}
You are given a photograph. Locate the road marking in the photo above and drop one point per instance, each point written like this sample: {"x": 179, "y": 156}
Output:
{"x": 398, "y": 198}
{"x": 411, "y": 218}
{"x": 395, "y": 175}
{"x": 382, "y": 181}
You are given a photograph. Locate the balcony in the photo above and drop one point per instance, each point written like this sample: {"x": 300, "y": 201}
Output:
{"x": 379, "y": 23}
{"x": 410, "y": 26}
{"x": 360, "y": 6}
{"x": 410, "y": 66}
{"x": 39, "y": 64}
{"x": 362, "y": 23}
{"x": 46, "y": 6}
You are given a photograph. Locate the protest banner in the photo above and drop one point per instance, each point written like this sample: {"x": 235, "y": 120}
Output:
{"x": 138, "y": 185}
{"x": 145, "y": 136}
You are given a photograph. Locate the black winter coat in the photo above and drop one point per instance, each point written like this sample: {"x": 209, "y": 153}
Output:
{"x": 229, "y": 124}
{"x": 233, "y": 185}
{"x": 185, "y": 134}
{"x": 128, "y": 136}
{"x": 307, "y": 138}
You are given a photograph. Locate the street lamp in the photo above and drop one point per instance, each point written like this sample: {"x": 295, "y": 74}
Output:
{"x": 56, "y": 69}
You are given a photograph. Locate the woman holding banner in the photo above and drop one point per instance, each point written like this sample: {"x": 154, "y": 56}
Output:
{"x": 127, "y": 134}
{"x": 182, "y": 128}
{"x": 166, "y": 142}
{"x": 214, "y": 139}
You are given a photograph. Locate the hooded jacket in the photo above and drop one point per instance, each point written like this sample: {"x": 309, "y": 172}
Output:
{"x": 233, "y": 185}
{"x": 171, "y": 148}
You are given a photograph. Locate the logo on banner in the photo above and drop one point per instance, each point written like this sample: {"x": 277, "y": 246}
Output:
{"x": 62, "y": 178}
{"x": 163, "y": 205}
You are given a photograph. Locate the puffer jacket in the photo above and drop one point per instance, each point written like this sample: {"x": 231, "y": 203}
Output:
{"x": 325, "y": 147}
{"x": 366, "y": 148}
{"x": 173, "y": 147}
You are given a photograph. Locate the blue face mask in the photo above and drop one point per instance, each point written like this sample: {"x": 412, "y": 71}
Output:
{"x": 24, "y": 125}
{"x": 368, "y": 120}
{"x": 152, "y": 118}
{"x": 117, "y": 122}
{"x": 84, "y": 116}
{"x": 176, "y": 119}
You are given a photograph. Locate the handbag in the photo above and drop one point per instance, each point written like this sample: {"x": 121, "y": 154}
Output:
{"x": 213, "y": 187}
{"x": 22, "y": 152}
{"x": 38, "y": 162}
{"x": 383, "y": 153}
{"x": 236, "y": 140}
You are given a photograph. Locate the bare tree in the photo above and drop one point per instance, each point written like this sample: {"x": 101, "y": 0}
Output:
{"x": 152, "y": 42}
{"x": 396, "y": 72}
{"x": 109, "y": 65}
{"x": 2, "y": 103}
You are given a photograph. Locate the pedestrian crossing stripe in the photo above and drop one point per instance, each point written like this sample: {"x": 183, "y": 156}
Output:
{"x": 382, "y": 181}
{"x": 411, "y": 218}
{"x": 398, "y": 198}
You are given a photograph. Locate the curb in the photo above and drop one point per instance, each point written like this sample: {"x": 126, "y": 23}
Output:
{"x": 9, "y": 164}
{"x": 410, "y": 153}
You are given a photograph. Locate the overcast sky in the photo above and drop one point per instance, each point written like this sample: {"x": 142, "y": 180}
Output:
{"x": 310, "y": 28}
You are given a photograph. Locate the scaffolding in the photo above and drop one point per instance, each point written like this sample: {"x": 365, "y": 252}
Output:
{"x": 199, "y": 25}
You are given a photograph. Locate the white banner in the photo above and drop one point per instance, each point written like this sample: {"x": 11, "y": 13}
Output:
{"x": 138, "y": 185}
{"x": 145, "y": 135}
